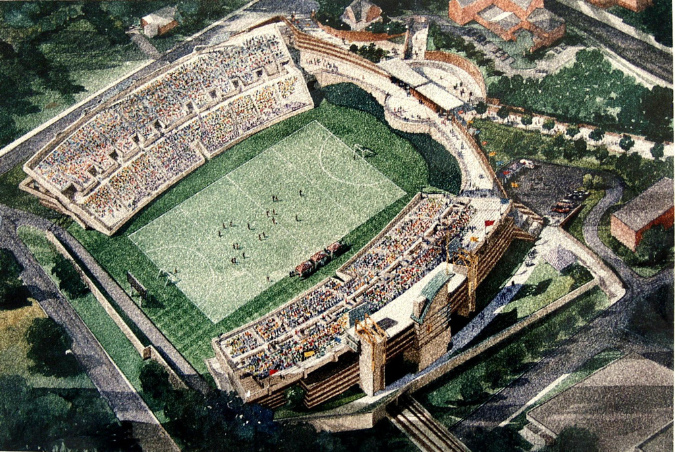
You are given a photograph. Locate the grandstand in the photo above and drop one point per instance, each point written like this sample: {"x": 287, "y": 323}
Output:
{"x": 111, "y": 163}
{"x": 408, "y": 280}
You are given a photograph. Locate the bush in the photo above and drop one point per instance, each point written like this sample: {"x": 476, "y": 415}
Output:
{"x": 657, "y": 150}
{"x": 526, "y": 120}
{"x": 69, "y": 279}
{"x": 155, "y": 380}
{"x": 503, "y": 112}
{"x": 548, "y": 124}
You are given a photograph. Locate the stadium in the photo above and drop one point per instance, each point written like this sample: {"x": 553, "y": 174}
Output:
{"x": 222, "y": 246}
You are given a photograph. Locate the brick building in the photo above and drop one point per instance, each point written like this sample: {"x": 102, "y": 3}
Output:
{"x": 507, "y": 18}
{"x": 653, "y": 207}
{"x": 159, "y": 22}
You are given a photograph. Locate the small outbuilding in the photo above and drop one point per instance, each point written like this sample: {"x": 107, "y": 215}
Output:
{"x": 159, "y": 22}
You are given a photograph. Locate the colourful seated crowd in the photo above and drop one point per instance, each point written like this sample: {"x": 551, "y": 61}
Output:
{"x": 145, "y": 141}
{"x": 418, "y": 238}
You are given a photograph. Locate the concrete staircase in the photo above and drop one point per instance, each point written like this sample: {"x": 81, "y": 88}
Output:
{"x": 424, "y": 431}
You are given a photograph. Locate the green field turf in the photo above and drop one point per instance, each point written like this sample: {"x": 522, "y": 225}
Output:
{"x": 184, "y": 324}
{"x": 195, "y": 240}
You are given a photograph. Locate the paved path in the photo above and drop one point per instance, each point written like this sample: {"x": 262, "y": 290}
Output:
{"x": 182, "y": 367}
{"x": 106, "y": 376}
{"x": 144, "y": 45}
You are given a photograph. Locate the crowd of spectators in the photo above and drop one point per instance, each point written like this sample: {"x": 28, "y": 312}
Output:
{"x": 207, "y": 100}
{"x": 311, "y": 324}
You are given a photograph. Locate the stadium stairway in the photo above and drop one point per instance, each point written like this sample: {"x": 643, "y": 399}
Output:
{"x": 424, "y": 431}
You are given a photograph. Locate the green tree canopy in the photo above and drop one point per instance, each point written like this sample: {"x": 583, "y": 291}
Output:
{"x": 48, "y": 343}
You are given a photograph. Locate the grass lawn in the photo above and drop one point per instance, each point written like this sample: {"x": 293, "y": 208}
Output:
{"x": 498, "y": 367}
{"x": 92, "y": 313}
{"x": 196, "y": 237}
{"x": 13, "y": 348}
{"x": 543, "y": 286}
{"x": 179, "y": 319}
{"x": 92, "y": 63}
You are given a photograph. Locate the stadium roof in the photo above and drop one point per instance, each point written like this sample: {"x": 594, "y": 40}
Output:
{"x": 399, "y": 69}
{"x": 439, "y": 96}
{"x": 648, "y": 206}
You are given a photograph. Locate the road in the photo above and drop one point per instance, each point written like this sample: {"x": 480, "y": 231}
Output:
{"x": 607, "y": 331}
{"x": 182, "y": 367}
{"x": 106, "y": 376}
{"x": 636, "y": 52}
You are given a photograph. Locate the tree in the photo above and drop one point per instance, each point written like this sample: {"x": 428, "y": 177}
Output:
{"x": 574, "y": 439}
{"x": 49, "y": 349}
{"x": 598, "y": 182}
{"x": 601, "y": 154}
{"x": 69, "y": 280}
{"x": 572, "y": 131}
{"x": 580, "y": 148}
{"x": 294, "y": 396}
{"x": 155, "y": 380}
{"x": 471, "y": 390}
{"x": 526, "y": 120}
{"x": 13, "y": 293}
{"x": 503, "y": 112}
{"x": 515, "y": 355}
{"x": 626, "y": 143}
{"x": 548, "y": 124}
{"x": 587, "y": 181}
{"x": 655, "y": 245}
{"x": 481, "y": 108}
{"x": 657, "y": 151}
{"x": 549, "y": 151}
{"x": 597, "y": 134}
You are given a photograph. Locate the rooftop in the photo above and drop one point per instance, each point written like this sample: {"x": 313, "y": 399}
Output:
{"x": 439, "y": 96}
{"x": 505, "y": 19}
{"x": 545, "y": 19}
{"x": 648, "y": 206}
{"x": 399, "y": 69}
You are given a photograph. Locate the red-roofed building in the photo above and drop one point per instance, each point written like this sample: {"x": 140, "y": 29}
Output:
{"x": 507, "y": 18}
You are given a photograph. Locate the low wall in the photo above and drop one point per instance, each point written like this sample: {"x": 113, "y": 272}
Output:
{"x": 148, "y": 352}
{"x": 357, "y": 36}
{"x": 462, "y": 63}
{"x": 112, "y": 313}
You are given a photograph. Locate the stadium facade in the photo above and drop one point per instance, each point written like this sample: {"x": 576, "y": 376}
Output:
{"x": 392, "y": 302}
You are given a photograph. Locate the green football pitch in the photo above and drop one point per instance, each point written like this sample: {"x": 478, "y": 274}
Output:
{"x": 195, "y": 241}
